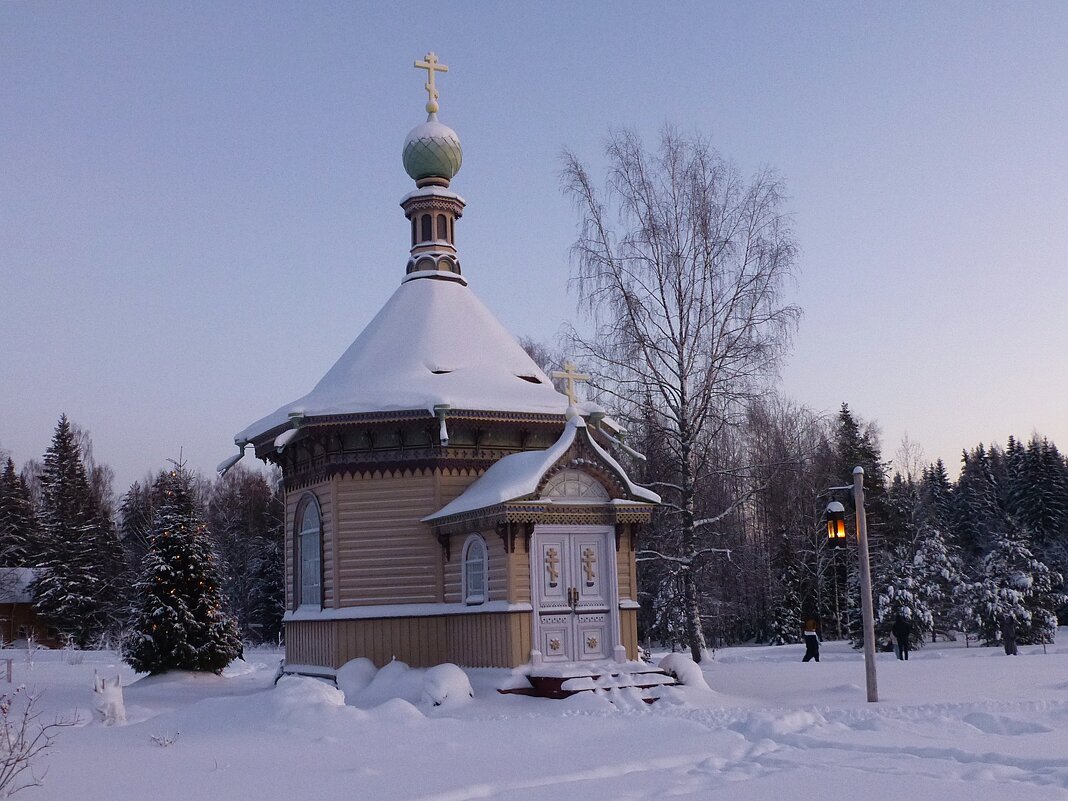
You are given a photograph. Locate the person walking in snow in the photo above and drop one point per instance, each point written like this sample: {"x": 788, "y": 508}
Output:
{"x": 1008, "y": 634}
{"x": 902, "y": 630}
{"x": 812, "y": 640}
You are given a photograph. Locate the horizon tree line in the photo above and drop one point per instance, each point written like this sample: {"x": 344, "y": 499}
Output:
{"x": 90, "y": 554}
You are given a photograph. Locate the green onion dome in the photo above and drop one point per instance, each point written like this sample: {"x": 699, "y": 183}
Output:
{"x": 432, "y": 150}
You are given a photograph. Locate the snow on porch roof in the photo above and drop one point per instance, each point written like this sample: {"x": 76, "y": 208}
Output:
{"x": 433, "y": 343}
{"x": 518, "y": 476}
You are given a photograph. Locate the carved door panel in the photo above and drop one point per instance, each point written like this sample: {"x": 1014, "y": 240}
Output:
{"x": 554, "y": 596}
{"x": 591, "y": 584}
{"x": 573, "y": 595}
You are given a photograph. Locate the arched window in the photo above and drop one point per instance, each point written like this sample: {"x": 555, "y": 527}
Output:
{"x": 443, "y": 227}
{"x": 309, "y": 548}
{"x": 576, "y": 486}
{"x": 413, "y": 232}
{"x": 427, "y": 224}
{"x": 475, "y": 560}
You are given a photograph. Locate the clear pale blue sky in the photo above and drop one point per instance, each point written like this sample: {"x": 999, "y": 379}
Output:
{"x": 198, "y": 201}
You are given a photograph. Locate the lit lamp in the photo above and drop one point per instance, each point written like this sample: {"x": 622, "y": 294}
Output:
{"x": 836, "y": 530}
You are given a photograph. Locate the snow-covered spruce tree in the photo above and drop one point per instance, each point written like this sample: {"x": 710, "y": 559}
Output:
{"x": 786, "y": 621}
{"x": 267, "y": 601}
{"x": 1040, "y": 500}
{"x": 669, "y": 618}
{"x": 246, "y": 521}
{"x": 1015, "y": 583}
{"x": 977, "y": 512}
{"x": 78, "y": 587}
{"x": 940, "y": 580}
{"x": 900, "y": 594}
{"x": 179, "y": 621}
{"x": 18, "y": 523}
{"x": 681, "y": 266}
{"x": 856, "y": 444}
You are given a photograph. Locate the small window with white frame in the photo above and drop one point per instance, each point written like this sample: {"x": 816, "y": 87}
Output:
{"x": 309, "y": 550}
{"x": 475, "y": 563}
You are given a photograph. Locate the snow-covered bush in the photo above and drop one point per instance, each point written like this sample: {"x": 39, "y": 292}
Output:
{"x": 355, "y": 676}
{"x": 686, "y": 672}
{"x": 446, "y": 686}
{"x": 393, "y": 680}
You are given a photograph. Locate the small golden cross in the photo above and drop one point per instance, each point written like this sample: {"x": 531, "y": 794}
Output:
{"x": 570, "y": 375}
{"x": 589, "y": 559}
{"x": 552, "y": 559}
{"x": 431, "y": 66}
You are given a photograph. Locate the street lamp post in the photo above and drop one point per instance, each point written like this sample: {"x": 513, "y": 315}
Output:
{"x": 836, "y": 539}
{"x": 865, "y": 586}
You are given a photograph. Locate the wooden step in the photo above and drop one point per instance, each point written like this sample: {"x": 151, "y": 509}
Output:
{"x": 563, "y": 681}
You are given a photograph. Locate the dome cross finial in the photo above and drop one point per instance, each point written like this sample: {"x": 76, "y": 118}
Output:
{"x": 571, "y": 376}
{"x": 431, "y": 65}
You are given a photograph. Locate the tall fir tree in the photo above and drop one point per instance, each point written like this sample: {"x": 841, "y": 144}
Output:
{"x": 1017, "y": 584}
{"x": 246, "y": 526}
{"x": 136, "y": 513}
{"x": 940, "y": 577}
{"x": 78, "y": 589}
{"x": 180, "y": 623}
{"x": 936, "y": 495}
{"x": 18, "y": 522}
{"x": 788, "y": 596}
{"x": 267, "y": 595}
{"x": 977, "y": 511}
{"x": 857, "y": 445}
{"x": 899, "y": 593}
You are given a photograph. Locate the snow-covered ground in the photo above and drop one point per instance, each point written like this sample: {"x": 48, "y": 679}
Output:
{"x": 952, "y": 723}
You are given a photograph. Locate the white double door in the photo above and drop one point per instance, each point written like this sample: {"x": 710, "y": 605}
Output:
{"x": 574, "y": 588}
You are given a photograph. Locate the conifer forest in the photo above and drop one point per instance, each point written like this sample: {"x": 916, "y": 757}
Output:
{"x": 177, "y": 570}
{"x": 952, "y": 556}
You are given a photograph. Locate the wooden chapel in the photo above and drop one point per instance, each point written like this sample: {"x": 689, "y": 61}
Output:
{"x": 444, "y": 502}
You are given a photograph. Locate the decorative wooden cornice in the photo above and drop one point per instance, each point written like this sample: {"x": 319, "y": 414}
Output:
{"x": 405, "y": 440}
{"x": 365, "y": 418}
{"x": 531, "y": 512}
{"x": 418, "y": 203}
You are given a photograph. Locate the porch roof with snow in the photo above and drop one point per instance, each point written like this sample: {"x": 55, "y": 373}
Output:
{"x": 515, "y": 479}
{"x": 434, "y": 343}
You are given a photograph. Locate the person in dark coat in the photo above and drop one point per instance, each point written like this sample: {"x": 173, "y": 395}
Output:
{"x": 811, "y": 633}
{"x": 1008, "y": 634}
{"x": 902, "y": 630}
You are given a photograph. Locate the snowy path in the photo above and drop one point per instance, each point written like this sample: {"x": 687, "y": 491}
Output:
{"x": 954, "y": 725}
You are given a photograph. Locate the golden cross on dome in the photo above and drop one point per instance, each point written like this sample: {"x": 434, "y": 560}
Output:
{"x": 570, "y": 375}
{"x": 431, "y": 65}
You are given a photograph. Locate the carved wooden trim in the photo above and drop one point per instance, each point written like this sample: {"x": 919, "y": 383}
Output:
{"x": 529, "y": 513}
{"x": 505, "y": 532}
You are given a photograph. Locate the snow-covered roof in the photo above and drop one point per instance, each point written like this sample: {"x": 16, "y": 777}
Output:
{"x": 433, "y": 343}
{"x": 15, "y": 584}
{"x": 518, "y": 476}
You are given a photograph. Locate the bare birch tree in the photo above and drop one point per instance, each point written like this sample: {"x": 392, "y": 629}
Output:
{"x": 681, "y": 265}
